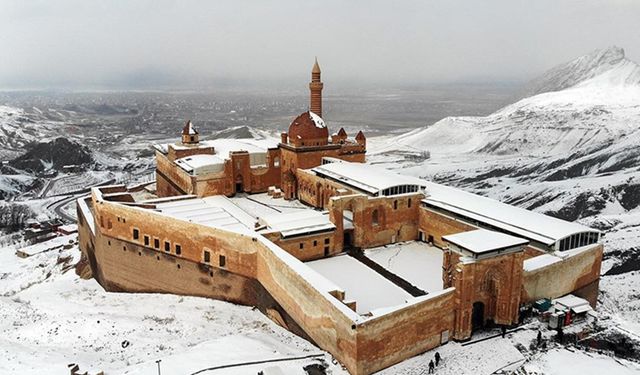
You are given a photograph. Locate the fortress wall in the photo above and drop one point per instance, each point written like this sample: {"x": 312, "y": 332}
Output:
{"x": 437, "y": 225}
{"x": 119, "y": 221}
{"x": 579, "y": 270}
{"x": 172, "y": 178}
{"x": 309, "y": 299}
{"x": 404, "y": 332}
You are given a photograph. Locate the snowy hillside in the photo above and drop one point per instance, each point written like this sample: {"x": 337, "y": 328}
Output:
{"x": 611, "y": 60}
{"x": 597, "y": 105}
{"x": 17, "y": 128}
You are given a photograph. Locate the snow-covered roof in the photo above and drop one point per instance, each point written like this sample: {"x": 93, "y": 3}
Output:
{"x": 518, "y": 221}
{"x": 366, "y": 177}
{"x": 317, "y": 120}
{"x": 216, "y": 211}
{"x": 298, "y": 223}
{"x": 202, "y": 163}
{"x": 207, "y": 163}
{"x": 482, "y": 241}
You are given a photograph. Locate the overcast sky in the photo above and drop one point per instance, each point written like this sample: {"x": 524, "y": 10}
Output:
{"x": 81, "y": 43}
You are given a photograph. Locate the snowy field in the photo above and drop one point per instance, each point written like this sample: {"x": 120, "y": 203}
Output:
{"x": 49, "y": 318}
{"x": 417, "y": 262}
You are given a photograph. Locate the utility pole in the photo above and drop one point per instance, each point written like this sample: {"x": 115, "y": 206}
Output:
{"x": 158, "y": 362}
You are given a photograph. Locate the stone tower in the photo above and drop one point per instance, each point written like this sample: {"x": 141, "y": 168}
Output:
{"x": 316, "y": 90}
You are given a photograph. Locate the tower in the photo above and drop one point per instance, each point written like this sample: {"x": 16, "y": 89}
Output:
{"x": 190, "y": 135}
{"x": 315, "y": 86}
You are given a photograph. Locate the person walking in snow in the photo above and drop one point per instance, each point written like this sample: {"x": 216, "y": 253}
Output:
{"x": 504, "y": 330}
{"x": 431, "y": 367}
{"x": 437, "y": 358}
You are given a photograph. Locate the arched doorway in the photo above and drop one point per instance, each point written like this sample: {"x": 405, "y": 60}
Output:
{"x": 477, "y": 316}
{"x": 348, "y": 227}
{"x": 239, "y": 185}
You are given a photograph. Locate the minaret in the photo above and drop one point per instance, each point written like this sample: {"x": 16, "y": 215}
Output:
{"x": 316, "y": 90}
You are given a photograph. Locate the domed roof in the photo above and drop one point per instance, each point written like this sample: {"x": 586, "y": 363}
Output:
{"x": 308, "y": 126}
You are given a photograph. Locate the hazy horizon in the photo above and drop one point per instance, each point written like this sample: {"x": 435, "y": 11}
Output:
{"x": 168, "y": 44}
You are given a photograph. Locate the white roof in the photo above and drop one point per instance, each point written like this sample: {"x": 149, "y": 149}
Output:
{"x": 207, "y": 163}
{"x": 570, "y": 301}
{"x": 519, "y": 221}
{"x": 201, "y": 163}
{"x": 298, "y": 223}
{"x": 215, "y": 211}
{"x": 482, "y": 241}
{"x": 365, "y": 176}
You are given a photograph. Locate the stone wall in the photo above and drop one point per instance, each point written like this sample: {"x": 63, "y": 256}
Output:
{"x": 306, "y": 248}
{"x": 437, "y": 225}
{"x": 405, "y": 332}
{"x": 378, "y": 220}
{"x": 579, "y": 269}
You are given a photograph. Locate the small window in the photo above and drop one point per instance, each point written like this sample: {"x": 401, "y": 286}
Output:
{"x": 409, "y": 203}
{"x": 326, "y": 241}
{"x": 315, "y": 243}
{"x": 124, "y": 220}
{"x": 395, "y": 205}
{"x": 178, "y": 249}
{"x": 109, "y": 224}
{"x": 136, "y": 234}
{"x": 156, "y": 243}
{"x": 223, "y": 261}
{"x": 146, "y": 240}
{"x": 192, "y": 138}
{"x": 375, "y": 220}
{"x": 207, "y": 256}
{"x": 301, "y": 245}
{"x": 109, "y": 242}
{"x": 167, "y": 246}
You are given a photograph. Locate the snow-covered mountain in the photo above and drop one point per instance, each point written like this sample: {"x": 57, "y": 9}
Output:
{"x": 600, "y": 108}
{"x": 18, "y": 128}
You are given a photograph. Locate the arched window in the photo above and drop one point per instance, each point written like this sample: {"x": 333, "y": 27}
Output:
{"x": 375, "y": 219}
{"x": 276, "y": 162}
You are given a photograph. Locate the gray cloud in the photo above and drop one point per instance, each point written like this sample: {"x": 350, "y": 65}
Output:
{"x": 143, "y": 42}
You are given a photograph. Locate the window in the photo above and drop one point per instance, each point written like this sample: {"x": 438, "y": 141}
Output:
{"x": 276, "y": 162}
{"x": 136, "y": 234}
{"x": 146, "y": 240}
{"x": 223, "y": 261}
{"x": 409, "y": 203}
{"x": 207, "y": 256}
{"x": 109, "y": 224}
{"x": 315, "y": 243}
{"x": 191, "y": 138}
{"x": 167, "y": 246}
{"x": 395, "y": 205}
{"x": 301, "y": 245}
{"x": 156, "y": 243}
{"x": 326, "y": 241}
{"x": 178, "y": 249}
{"x": 375, "y": 220}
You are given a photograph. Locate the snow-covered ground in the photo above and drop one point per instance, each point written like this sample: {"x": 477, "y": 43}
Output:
{"x": 369, "y": 289}
{"x": 417, "y": 262}
{"x": 49, "y": 317}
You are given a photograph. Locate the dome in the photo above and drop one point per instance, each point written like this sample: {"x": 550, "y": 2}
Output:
{"x": 308, "y": 126}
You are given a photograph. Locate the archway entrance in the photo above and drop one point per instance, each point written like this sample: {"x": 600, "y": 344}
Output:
{"x": 348, "y": 227}
{"x": 477, "y": 316}
{"x": 239, "y": 187}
